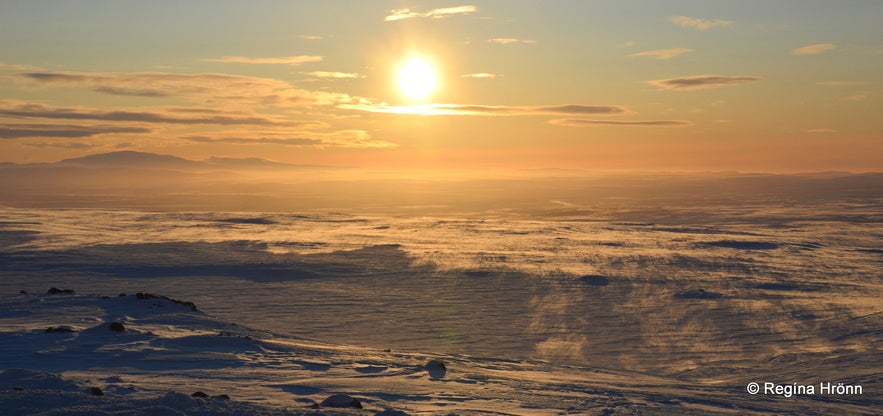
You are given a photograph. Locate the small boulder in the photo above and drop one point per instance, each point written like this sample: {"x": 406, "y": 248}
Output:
{"x": 23, "y": 292}
{"x": 95, "y": 391}
{"x": 221, "y": 397}
{"x": 341, "y": 401}
{"x": 56, "y": 291}
{"x": 436, "y": 369}
{"x": 200, "y": 395}
{"x": 117, "y": 327}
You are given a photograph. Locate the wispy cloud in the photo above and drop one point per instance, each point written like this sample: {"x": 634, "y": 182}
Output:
{"x": 399, "y": 14}
{"x": 703, "y": 81}
{"x": 16, "y": 67}
{"x": 626, "y": 44}
{"x": 821, "y": 131}
{"x": 571, "y": 122}
{"x": 507, "y": 41}
{"x": 288, "y": 60}
{"x": 662, "y": 53}
{"x": 814, "y": 49}
{"x": 24, "y": 130}
{"x": 842, "y": 83}
{"x": 293, "y": 141}
{"x": 235, "y": 90}
{"x": 326, "y": 74}
{"x": 64, "y": 145}
{"x": 857, "y": 97}
{"x": 165, "y": 116}
{"x": 488, "y": 110}
{"x": 480, "y": 75}
{"x": 311, "y": 37}
{"x": 340, "y": 138}
{"x": 699, "y": 24}
{"x": 131, "y": 92}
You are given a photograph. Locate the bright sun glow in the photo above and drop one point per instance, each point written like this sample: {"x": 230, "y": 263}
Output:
{"x": 416, "y": 79}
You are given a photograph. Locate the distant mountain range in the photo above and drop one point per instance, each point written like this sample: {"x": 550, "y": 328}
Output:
{"x": 144, "y": 160}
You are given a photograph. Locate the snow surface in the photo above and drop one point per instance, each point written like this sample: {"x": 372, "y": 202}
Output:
{"x": 530, "y": 316}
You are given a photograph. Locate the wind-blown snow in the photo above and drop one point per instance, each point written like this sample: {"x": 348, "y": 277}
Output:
{"x": 530, "y": 316}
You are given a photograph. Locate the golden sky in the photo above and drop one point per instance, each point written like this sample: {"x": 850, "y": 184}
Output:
{"x": 598, "y": 85}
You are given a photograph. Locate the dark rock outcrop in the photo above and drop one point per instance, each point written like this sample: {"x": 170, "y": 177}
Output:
{"x": 144, "y": 296}
{"x": 56, "y": 291}
{"x": 60, "y": 329}
{"x": 698, "y": 294}
{"x": 341, "y": 401}
{"x": 116, "y": 327}
{"x": 595, "y": 280}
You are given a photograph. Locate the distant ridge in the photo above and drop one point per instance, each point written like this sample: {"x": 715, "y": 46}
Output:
{"x": 130, "y": 158}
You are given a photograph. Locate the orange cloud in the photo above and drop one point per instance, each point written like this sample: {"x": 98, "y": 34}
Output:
{"x": 506, "y": 41}
{"x": 699, "y": 24}
{"x": 814, "y": 49}
{"x": 399, "y": 14}
{"x": 486, "y": 110}
{"x": 570, "y": 122}
{"x": 662, "y": 53}
{"x": 289, "y": 60}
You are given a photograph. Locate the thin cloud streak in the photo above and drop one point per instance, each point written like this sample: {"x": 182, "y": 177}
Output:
{"x": 332, "y": 74}
{"x": 507, "y": 41}
{"x": 842, "y": 83}
{"x": 342, "y": 138}
{"x": 662, "y": 54}
{"x": 400, "y": 14}
{"x": 699, "y": 24}
{"x": 289, "y": 60}
{"x": 205, "y": 87}
{"x": 37, "y": 110}
{"x": 814, "y": 49}
{"x": 296, "y": 141}
{"x": 570, "y": 122}
{"x": 24, "y": 130}
{"x": 480, "y": 75}
{"x": 487, "y": 110}
{"x": 703, "y": 81}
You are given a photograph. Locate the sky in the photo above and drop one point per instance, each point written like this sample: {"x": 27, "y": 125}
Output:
{"x": 699, "y": 85}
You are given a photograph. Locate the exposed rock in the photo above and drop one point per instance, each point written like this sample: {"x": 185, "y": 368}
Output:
{"x": 95, "y": 391}
{"x": 391, "y": 412}
{"x": 340, "y": 401}
{"x": 55, "y": 291}
{"x": 698, "y": 294}
{"x": 143, "y": 296}
{"x": 200, "y": 395}
{"x": 436, "y": 369}
{"x": 117, "y": 327}
{"x": 595, "y": 280}
{"x": 221, "y": 397}
{"x": 60, "y": 329}
{"x": 22, "y": 292}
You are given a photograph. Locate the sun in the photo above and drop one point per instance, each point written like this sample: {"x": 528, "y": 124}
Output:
{"x": 417, "y": 78}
